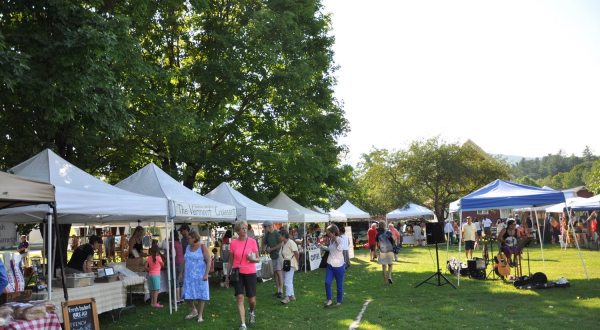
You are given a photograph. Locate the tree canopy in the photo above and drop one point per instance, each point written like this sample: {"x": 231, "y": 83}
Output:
{"x": 211, "y": 91}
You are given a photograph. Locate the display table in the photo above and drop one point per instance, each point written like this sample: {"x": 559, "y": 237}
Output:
{"x": 50, "y": 322}
{"x": 108, "y": 296}
{"x": 408, "y": 240}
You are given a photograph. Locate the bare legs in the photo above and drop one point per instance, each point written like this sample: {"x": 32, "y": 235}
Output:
{"x": 387, "y": 273}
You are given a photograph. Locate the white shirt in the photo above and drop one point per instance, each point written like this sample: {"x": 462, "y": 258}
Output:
{"x": 336, "y": 257}
{"x": 487, "y": 223}
{"x": 477, "y": 225}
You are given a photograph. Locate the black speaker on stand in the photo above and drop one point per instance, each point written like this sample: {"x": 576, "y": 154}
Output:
{"x": 434, "y": 232}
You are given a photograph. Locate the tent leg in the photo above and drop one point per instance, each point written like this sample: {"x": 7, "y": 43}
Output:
{"x": 168, "y": 264}
{"x": 49, "y": 257}
{"x": 537, "y": 222}
{"x": 577, "y": 244}
{"x": 173, "y": 262}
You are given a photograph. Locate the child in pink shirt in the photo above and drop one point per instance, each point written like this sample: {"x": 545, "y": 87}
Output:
{"x": 153, "y": 265}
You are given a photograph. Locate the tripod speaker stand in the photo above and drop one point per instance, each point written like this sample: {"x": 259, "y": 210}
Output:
{"x": 435, "y": 235}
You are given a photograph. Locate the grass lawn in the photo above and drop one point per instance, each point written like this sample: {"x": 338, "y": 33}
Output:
{"x": 487, "y": 304}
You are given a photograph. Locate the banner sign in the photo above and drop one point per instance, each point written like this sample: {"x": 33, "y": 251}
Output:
{"x": 314, "y": 257}
{"x": 205, "y": 211}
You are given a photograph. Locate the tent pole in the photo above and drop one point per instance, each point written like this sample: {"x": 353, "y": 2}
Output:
{"x": 173, "y": 262}
{"x": 537, "y": 222}
{"x": 460, "y": 224}
{"x": 168, "y": 263}
{"x": 305, "y": 251}
{"x": 58, "y": 244}
{"x": 49, "y": 257}
{"x": 577, "y": 243}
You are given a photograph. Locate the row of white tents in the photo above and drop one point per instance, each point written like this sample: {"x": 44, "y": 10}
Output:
{"x": 147, "y": 195}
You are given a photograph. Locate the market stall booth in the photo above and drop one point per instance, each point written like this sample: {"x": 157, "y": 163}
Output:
{"x": 310, "y": 254}
{"x": 81, "y": 198}
{"x": 16, "y": 191}
{"x": 410, "y": 211}
{"x": 503, "y": 194}
{"x": 184, "y": 205}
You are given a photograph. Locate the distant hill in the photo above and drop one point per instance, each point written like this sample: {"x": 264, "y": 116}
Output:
{"x": 512, "y": 159}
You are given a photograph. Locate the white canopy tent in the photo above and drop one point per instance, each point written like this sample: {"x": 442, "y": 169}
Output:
{"x": 337, "y": 216}
{"x": 246, "y": 209}
{"x": 296, "y": 212}
{"x": 559, "y": 207}
{"x": 185, "y": 204}
{"x": 409, "y": 210}
{"x": 351, "y": 212}
{"x": 587, "y": 204}
{"x": 80, "y": 198}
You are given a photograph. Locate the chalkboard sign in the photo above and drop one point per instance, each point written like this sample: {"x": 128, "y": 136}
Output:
{"x": 80, "y": 314}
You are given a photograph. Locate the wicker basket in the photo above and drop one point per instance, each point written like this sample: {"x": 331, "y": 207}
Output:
{"x": 15, "y": 296}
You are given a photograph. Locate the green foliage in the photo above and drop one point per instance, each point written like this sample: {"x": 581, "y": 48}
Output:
{"x": 556, "y": 171}
{"x": 430, "y": 172}
{"x": 592, "y": 179}
{"x": 26, "y": 228}
{"x": 211, "y": 91}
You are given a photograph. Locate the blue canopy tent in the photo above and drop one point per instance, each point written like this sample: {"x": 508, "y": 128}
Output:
{"x": 503, "y": 194}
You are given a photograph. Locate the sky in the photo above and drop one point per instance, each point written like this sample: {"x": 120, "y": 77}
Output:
{"x": 516, "y": 77}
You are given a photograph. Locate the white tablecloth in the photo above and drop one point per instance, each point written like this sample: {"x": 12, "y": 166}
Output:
{"x": 109, "y": 296}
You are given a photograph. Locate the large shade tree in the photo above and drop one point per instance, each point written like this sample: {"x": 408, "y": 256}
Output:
{"x": 211, "y": 91}
{"x": 431, "y": 172}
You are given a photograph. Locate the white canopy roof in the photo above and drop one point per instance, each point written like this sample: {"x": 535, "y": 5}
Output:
{"x": 296, "y": 212}
{"x": 409, "y": 210}
{"x": 352, "y": 212}
{"x": 80, "y": 197}
{"x": 558, "y": 208}
{"x": 246, "y": 208}
{"x": 17, "y": 191}
{"x": 587, "y": 204}
{"x": 186, "y": 204}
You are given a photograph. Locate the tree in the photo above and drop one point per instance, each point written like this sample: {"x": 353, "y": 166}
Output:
{"x": 70, "y": 98}
{"x": 440, "y": 173}
{"x": 381, "y": 182}
{"x": 431, "y": 172}
{"x": 592, "y": 179}
{"x": 238, "y": 91}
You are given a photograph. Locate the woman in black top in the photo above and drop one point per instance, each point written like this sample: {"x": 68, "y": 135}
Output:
{"x": 135, "y": 242}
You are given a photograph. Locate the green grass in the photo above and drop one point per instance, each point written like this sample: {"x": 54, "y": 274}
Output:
{"x": 481, "y": 304}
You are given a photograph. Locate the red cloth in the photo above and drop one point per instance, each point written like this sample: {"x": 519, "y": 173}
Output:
{"x": 372, "y": 233}
{"x": 50, "y": 322}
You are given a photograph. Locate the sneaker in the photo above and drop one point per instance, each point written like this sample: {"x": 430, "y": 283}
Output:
{"x": 251, "y": 317}
{"x": 192, "y": 315}
{"x": 285, "y": 300}
{"x": 328, "y": 304}
{"x": 279, "y": 295}
{"x": 390, "y": 281}
{"x": 243, "y": 327}
{"x": 292, "y": 298}
{"x": 157, "y": 306}
{"x": 200, "y": 320}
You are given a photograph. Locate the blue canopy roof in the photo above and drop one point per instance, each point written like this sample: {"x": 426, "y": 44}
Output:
{"x": 504, "y": 194}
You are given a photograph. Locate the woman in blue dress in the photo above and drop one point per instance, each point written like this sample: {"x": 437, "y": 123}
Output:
{"x": 195, "y": 281}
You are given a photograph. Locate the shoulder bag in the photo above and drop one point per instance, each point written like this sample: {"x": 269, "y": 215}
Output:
{"x": 234, "y": 276}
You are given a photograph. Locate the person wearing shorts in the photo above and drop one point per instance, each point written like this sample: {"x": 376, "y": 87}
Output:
{"x": 243, "y": 255}
{"x": 469, "y": 235}
{"x": 272, "y": 245}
